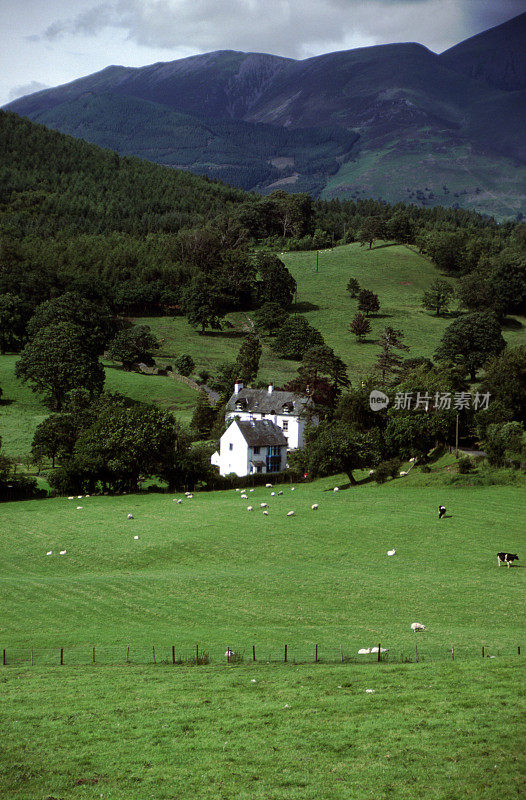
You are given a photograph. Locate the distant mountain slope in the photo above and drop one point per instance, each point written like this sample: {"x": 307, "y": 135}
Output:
{"x": 497, "y": 56}
{"x": 393, "y": 121}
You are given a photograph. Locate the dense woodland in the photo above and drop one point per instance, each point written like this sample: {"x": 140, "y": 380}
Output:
{"x": 88, "y": 238}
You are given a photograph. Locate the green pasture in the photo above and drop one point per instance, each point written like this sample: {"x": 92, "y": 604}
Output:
{"x": 208, "y": 571}
{"x": 263, "y": 733}
{"x": 399, "y": 276}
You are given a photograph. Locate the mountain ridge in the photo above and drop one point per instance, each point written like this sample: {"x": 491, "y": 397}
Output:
{"x": 400, "y": 106}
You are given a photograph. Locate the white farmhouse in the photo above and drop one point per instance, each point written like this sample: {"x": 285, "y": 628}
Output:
{"x": 287, "y": 410}
{"x": 249, "y": 447}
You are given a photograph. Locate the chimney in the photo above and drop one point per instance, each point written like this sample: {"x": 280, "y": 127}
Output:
{"x": 270, "y": 388}
{"x": 237, "y": 387}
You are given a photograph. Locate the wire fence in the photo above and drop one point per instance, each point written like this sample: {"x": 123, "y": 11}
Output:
{"x": 232, "y": 655}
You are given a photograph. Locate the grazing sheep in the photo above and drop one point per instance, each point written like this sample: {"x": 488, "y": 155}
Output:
{"x": 263, "y": 505}
{"x": 229, "y": 653}
{"x": 364, "y": 651}
{"x": 417, "y": 626}
{"x": 79, "y": 508}
{"x": 237, "y": 490}
{"x": 250, "y": 508}
{"x": 280, "y": 493}
{"x": 290, "y": 513}
{"x": 79, "y": 497}
{"x": 49, "y": 553}
{"x": 314, "y": 506}
{"x": 292, "y": 488}
{"x": 244, "y": 497}
{"x": 371, "y": 472}
{"x": 266, "y": 513}
{"x": 187, "y": 493}
{"x": 130, "y": 516}
{"x": 273, "y": 494}
{"x": 382, "y": 650}
{"x": 391, "y": 552}
{"x": 403, "y": 473}
{"x": 251, "y": 490}
{"x": 189, "y": 497}
{"x": 63, "y": 552}
{"x": 336, "y": 489}
{"x": 268, "y": 485}
{"x": 135, "y": 537}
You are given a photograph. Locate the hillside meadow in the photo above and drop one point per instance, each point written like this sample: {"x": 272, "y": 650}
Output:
{"x": 395, "y": 272}
{"x": 209, "y": 572}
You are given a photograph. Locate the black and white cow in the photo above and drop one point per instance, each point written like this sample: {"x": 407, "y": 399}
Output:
{"x": 441, "y": 511}
{"x": 506, "y": 558}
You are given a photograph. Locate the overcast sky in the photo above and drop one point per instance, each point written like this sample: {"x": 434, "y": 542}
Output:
{"x": 49, "y": 42}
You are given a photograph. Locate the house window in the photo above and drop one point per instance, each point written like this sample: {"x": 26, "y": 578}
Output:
{"x": 231, "y": 446}
{"x": 285, "y": 425}
{"x": 256, "y": 451}
{"x": 274, "y": 459}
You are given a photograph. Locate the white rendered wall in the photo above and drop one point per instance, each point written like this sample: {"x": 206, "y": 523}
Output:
{"x": 235, "y": 460}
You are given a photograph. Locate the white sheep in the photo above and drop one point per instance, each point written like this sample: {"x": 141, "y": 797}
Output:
{"x": 314, "y": 506}
{"x": 280, "y": 493}
{"x": 336, "y": 489}
{"x": 187, "y": 493}
{"x": 130, "y": 516}
{"x": 250, "y": 508}
{"x": 263, "y": 505}
{"x": 251, "y": 490}
{"x": 382, "y": 650}
{"x": 403, "y": 473}
{"x": 79, "y": 508}
{"x": 63, "y": 552}
{"x": 244, "y": 497}
{"x": 49, "y": 553}
{"x": 417, "y": 626}
{"x": 135, "y": 537}
{"x": 391, "y": 552}
{"x": 189, "y": 497}
{"x": 290, "y": 513}
{"x": 79, "y": 497}
{"x": 71, "y": 498}
{"x": 273, "y": 494}
{"x": 229, "y": 653}
{"x": 237, "y": 490}
{"x": 266, "y": 513}
{"x": 364, "y": 651}
{"x": 292, "y": 489}
{"x": 268, "y": 485}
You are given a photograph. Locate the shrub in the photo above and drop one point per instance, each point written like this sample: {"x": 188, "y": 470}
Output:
{"x": 387, "y": 469}
{"x": 465, "y": 465}
{"x": 185, "y": 365}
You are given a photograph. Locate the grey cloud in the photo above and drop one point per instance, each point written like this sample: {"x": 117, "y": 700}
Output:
{"x": 295, "y": 28}
{"x": 27, "y": 88}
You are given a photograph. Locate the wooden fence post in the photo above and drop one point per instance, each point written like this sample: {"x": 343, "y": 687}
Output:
{"x": 285, "y": 654}
{"x": 93, "y": 655}
{"x": 128, "y": 654}
{"x": 197, "y": 654}
{"x": 379, "y": 651}
{"x": 228, "y": 655}
{"x": 4, "y": 656}
{"x": 153, "y": 650}
{"x": 316, "y": 657}
{"x": 253, "y": 652}
{"x": 173, "y": 654}
{"x": 452, "y": 652}
{"x": 61, "y": 656}
{"x": 482, "y": 651}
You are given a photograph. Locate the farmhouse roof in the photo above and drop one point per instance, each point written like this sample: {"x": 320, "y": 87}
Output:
{"x": 261, "y": 432}
{"x": 260, "y": 401}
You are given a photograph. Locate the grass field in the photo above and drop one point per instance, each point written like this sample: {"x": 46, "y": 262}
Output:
{"x": 396, "y": 273}
{"x": 264, "y": 733}
{"x": 207, "y": 571}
